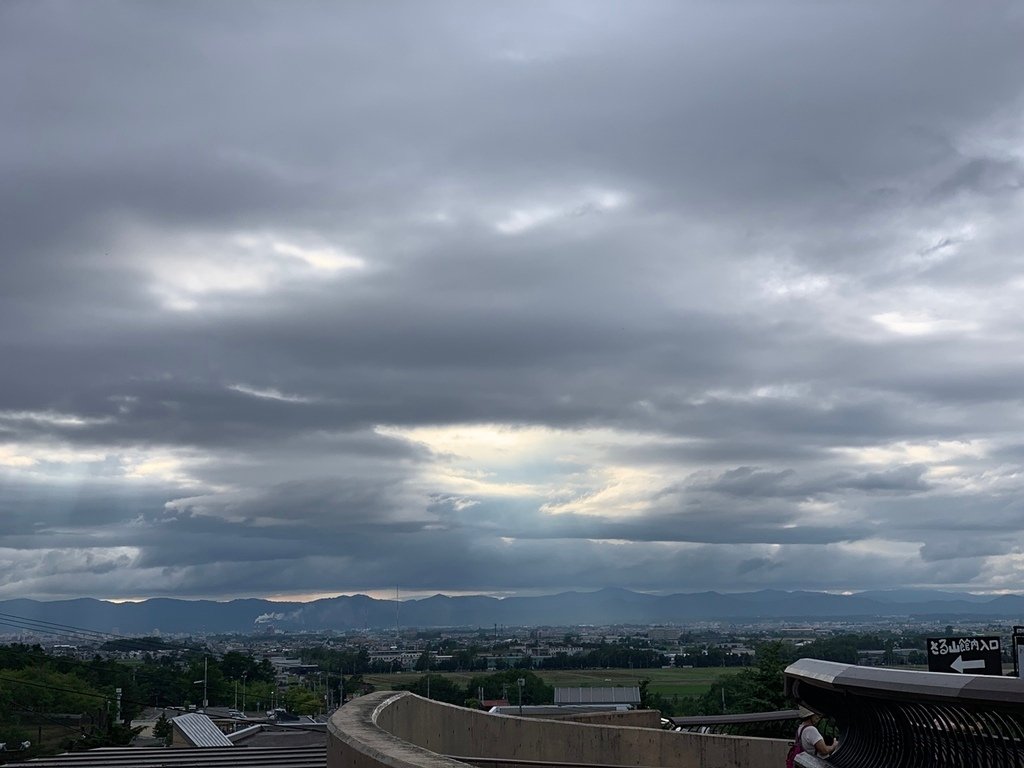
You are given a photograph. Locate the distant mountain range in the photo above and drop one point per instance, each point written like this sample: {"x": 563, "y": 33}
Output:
{"x": 606, "y": 606}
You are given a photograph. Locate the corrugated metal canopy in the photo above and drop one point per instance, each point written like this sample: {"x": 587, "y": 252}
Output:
{"x": 159, "y": 757}
{"x": 617, "y": 695}
{"x": 200, "y": 730}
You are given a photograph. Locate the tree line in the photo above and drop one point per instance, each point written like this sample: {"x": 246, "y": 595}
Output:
{"x": 35, "y": 686}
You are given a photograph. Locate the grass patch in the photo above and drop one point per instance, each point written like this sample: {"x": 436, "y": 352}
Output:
{"x": 667, "y": 682}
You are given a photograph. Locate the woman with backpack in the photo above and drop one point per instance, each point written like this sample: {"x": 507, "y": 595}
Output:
{"x": 809, "y": 739}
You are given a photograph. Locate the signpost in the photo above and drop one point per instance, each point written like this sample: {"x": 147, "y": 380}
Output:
{"x": 965, "y": 655}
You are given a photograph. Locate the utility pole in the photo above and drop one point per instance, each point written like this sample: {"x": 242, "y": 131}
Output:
{"x": 206, "y": 702}
{"x": 519, "y": 684}
{"x": 243, "y": 691}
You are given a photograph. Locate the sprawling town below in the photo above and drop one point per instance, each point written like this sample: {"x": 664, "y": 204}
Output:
{"x": 67, "y": 688}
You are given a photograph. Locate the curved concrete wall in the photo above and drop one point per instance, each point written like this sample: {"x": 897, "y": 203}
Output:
{"x": 637, "y": 718}
{"x": 402, "y": 730}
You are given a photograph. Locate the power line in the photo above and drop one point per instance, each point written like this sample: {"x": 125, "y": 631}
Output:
{"x": 15, "y": 681}
{"x": 52, "y": 624}
{"x": 83, "y": 732}
{"x": 53, "y": 720}
{"x": 88, "y": 694}
{"x": 54, "y": 628}
{"x": 85, "y": 666}
{"x": 68, "y": 630}
{"x": 48, "y": 631}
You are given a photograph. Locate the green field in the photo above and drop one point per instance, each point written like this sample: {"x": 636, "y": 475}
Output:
{"x": 667, "y": 682}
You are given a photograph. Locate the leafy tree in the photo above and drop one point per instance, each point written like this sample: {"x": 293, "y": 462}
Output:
{"x": 462, "y": 658}
{"x": 234, "y": 664}
{"x": 424, "y": 662}
{"x": 301, "y": 701}
{"x": 654, "y": 700}
{"x": 694, "y": 655}
{"x": 218, "y": 690}
{"x": 130, "y": 700}
{"x": 138, "y": 644}
{"x": 161, "y": 683}
{"x": 759, "y": 688}
{"x": 440, "y": 689}
{"x": 117, "y": 735}
{"x": 334, "y": 660}
{"x": 44, "y": 690}
{"x": 258, "y": 694}
{"x": 763, "y": 685}
{"x": 264, "y": 671}
{"x": 162, "y": 728}
{"x": 843, "y": 648}
{"x": 534, "y": 689}
{"x": 356, "y": 686}
{"x": 19, "y": 655}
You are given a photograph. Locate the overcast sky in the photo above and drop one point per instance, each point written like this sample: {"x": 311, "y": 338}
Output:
{"x": 301, "y": 299}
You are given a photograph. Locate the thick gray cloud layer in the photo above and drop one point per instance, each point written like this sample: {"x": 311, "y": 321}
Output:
{"x": 312, "y": 298}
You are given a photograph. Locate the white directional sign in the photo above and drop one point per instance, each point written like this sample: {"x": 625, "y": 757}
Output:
{"x": 965, "y": 655}
{"x": 959, "y": 665}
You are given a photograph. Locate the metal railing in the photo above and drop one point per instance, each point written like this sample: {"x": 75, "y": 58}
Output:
{"x": 906, "y": 719}
{"x": 502, "y": 761}
{"x": 775, "y": 724}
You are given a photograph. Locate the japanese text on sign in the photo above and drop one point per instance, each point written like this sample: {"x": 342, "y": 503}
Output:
{"x": 958, "y": 645}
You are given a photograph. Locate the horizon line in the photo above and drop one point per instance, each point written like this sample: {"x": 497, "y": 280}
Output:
{"x": 416, "y": 595}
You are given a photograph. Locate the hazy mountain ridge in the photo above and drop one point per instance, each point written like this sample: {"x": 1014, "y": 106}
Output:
{"x": 609, "y": 606}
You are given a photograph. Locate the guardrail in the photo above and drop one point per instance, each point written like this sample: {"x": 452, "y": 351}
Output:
{"x": 777, "y": 724}
{"x": 891, "y": 718}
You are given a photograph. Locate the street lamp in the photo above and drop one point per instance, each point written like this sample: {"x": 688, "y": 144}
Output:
{"x": 519, "y": 684}
{"x": 197, "y": 682}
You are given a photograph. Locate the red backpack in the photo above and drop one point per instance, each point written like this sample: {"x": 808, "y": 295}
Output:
{"x": 797, "y": 748}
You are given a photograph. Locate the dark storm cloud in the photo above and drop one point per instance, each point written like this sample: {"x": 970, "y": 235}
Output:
{"x": 982, "y": 175}
{"x": 755, "y": 483}
{"x": 729, "y": 294}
